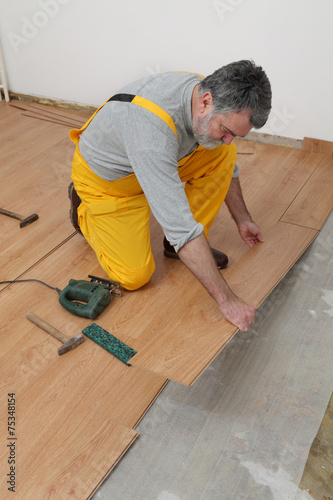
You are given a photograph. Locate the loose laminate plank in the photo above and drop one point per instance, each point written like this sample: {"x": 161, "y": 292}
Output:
{"x": 193, "y": 331}
{"x": 271, "y": 179}
{"x": 318, "y": 146}
{"x": 61, "y": 113}
{"x": 314, "y": 203}
{"x": 49, "y": 119}
{"x": 51, "y": 110}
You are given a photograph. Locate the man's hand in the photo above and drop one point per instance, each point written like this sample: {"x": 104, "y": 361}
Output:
{"x": 238, "y": 313}
{"x": 250, "y": 233}
{"x": 197, "y": 256}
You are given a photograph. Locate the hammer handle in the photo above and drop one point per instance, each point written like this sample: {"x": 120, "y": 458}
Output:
{"x": 48, "y": 328}
{"x": 11, "y": 214}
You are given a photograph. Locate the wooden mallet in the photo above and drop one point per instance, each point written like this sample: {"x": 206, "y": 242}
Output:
{"x": 68, "y": 344}
{"x": 25, "y": 221}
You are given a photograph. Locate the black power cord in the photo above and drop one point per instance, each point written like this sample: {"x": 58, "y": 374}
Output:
{"x": 38, "y": 281}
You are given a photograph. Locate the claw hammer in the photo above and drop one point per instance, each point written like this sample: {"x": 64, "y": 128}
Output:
{"x": 25, "y": 221}
{"x": 68, "y": 344}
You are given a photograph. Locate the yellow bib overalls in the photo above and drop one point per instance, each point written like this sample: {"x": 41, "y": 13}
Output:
{"x": 114, "y": 216}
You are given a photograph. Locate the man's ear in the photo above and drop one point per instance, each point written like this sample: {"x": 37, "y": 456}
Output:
{"x": 206, "y": 102}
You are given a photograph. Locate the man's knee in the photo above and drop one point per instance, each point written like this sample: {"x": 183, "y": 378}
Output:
{"x": 131, "y": 279}
{"x": 136, "y": 279}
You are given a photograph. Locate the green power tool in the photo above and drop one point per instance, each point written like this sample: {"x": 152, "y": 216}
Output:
{"x": 88, "y": 298}
{"x": 83, "y": 298}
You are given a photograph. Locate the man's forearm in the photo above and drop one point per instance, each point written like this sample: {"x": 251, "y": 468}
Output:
{"x": 236, "y": 204}
{"x": 248, "y": 230}
{"x": 197, "y": 256}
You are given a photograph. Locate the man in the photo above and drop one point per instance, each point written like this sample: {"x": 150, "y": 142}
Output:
{"x": 136, "y": 152}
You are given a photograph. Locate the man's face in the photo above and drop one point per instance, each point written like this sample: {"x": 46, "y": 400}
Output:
{"x": 210, "y": 130}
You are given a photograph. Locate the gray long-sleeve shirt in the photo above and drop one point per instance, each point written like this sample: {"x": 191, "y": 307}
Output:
{"x": 124, "y": 138}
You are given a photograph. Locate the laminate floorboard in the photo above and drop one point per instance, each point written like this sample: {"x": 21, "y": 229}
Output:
{"x": 192, "y": 331}
{"x": 60, "y": 113}
{"x": 96, "y": 373}
{"x": 244, "y": 147}
{"x": 75, "y": 413}
{"x": 69, "y": 459}
{"x": 35, "y": 168}
{"x": 318, "y": 146}
{"x": 52, "y": 111}
{"x": 271, "y": 179}
{"x": 47, "y": 118}
{"x": 313, "y": 204}
{"x": 101, "y": 397}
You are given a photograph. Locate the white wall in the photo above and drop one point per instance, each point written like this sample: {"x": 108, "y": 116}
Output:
{"x": 85, "y": 50}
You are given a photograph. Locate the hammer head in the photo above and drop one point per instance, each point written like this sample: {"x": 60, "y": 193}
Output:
{"x": 71, "y": 344}
{"x": 28, "y": 220}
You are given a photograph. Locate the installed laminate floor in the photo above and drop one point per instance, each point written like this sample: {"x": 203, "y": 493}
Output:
{"x": 243, "y": 401}
{"x": 73, "y": 416}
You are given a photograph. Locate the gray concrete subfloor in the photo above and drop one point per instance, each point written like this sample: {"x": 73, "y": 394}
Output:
{"x": 244, "y": 430}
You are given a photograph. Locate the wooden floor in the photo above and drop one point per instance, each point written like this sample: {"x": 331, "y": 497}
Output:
{"x": 317, "y": 476}
{"x": 76, "y": 415}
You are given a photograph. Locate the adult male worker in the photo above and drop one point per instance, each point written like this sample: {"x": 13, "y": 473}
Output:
{"x": 136, "y": 152}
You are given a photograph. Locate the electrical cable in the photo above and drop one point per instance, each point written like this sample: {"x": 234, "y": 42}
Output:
{"x": 38, "y": 281}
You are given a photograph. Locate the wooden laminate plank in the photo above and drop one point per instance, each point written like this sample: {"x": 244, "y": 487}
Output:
{"x": 244, "y": 147}
{"x": 28, "y": 354}
{"x": 68, "y": 460}
{"x": 314, "y": 203}
{"x": 192, "y": 331}
{"x": 35, "y": 169}
{"x": 45, "y": 113}
{"x": 51, "y": 110}
{"x": 32, "y": 193}
{"x": 60, "y": 113}
{"x": 30, "y": 365}
{"x": 317, "y": 475}
{"x": 18, "y": 104}
{"x": 50, "y": 119}
{"x": 52, "y": 390}
{"x": 271, "y": 179}
{"x": 318, "y": 146}
{"x": 21, "y": 142}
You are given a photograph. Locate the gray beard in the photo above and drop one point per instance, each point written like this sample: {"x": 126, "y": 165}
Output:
{"x": 207, "y": 142}
{"x": 201, "y": 135}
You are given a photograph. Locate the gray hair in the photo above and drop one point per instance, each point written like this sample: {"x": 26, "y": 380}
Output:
{"x": 240, "y": 86}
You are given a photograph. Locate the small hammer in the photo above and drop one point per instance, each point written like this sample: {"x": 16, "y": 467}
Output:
{"x": 25, "y": 221}
{"x": 68, "y": 344}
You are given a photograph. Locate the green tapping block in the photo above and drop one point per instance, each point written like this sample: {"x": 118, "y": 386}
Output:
{"x": 113, "y": 345}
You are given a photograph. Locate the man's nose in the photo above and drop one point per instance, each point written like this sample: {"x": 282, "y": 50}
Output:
{"x": 227, "y": 139}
